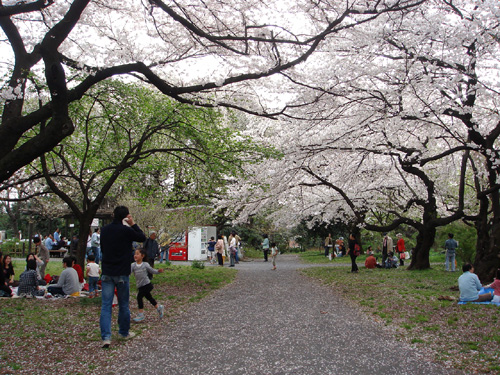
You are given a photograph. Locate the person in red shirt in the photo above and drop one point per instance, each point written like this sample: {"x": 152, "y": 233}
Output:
{"x": 400, "y": 248}
{"x": 78, "y": 269}
{"x": 370, "y": 262}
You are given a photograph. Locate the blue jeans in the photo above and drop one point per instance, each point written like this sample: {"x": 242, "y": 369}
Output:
{"x": 97, "y": 253}
{"x": 93, "y": 283}
{"x": 122, "y": 285}
{"x": 450, "y": 257}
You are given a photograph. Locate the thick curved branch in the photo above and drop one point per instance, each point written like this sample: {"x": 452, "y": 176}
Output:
{"x": 23, "y": 7}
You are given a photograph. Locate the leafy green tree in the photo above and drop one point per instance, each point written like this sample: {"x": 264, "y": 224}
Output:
{"x": 130, "y": 139}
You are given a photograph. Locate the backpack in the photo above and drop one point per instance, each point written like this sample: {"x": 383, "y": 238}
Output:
{"x": 357, "y": 250}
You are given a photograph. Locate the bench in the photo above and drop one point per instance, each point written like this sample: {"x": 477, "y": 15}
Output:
{"x": 60, "y": 253}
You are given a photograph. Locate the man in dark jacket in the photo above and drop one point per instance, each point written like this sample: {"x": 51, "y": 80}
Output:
{"x": 152, "y": 250}
{"x": 117, "y": 256}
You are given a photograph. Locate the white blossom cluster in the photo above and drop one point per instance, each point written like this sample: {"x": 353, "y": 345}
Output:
{"x": 400, "y": 92}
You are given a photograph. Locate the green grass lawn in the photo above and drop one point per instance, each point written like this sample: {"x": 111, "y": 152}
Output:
{"x": 318, "y": 257}
{"x": 409, "y": 302}
{"x": 30, "y": 325}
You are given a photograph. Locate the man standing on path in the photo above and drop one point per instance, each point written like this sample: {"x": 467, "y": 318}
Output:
{"x": 328, "y": 244}
{"x": 152, "y": 250}
{"x": 95, "y": 244}
{"x": 238, "y": 242}
{"x": 387, "y": 246}
{"x": 116, "y": 247}
{"x": 451, "y": 247}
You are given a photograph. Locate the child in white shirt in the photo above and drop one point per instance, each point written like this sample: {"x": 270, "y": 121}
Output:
{"x": 93, "y": 272}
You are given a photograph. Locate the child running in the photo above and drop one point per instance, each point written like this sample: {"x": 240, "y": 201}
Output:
{"x": 274, "y": 254}
{"x": 140, "y": 269}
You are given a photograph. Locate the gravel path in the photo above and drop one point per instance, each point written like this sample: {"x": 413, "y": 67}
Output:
{"x": 271, "y": 322}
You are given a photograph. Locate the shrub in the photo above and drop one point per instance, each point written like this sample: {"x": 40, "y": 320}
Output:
{"x": 198, "y": 264}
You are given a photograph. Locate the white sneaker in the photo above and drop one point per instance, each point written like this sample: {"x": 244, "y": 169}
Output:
{"x": 106, "y": 343}
{"x": 139, "y": 318}
{"x": 160, "y": 311}
{"x": 129, "y": 336}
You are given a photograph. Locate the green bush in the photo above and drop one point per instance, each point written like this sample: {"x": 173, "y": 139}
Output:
{"x": 198, "y": 264}
{"x": 14, "y": 248}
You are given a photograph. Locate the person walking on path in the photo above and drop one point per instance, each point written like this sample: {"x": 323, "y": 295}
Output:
{"x": 274, "y": 254}
{"x": 387, "y": 245}
{"x": 219, "y": 249}
{"x": 116, "y": 247}
{"x": 265, "y": 247}
{"x": 328, "y": 244}
{"x": 353, "y": 252}
{"x": 400, "y": 249}
{"x": 95, "y": 244}
{"x": 226, "y": 247}
{"x": 141, "y": 269}
{"x": 451, "y": 247}
{"x": 152, "y": 250}
{"x": 238, "y": 240}
{"x": 232, "y": 252}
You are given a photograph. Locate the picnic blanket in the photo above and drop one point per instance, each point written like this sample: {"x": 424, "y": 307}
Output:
{"x": 482, "y": 291}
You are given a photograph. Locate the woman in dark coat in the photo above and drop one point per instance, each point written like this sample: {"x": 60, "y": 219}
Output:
{"x": 352, "y": 253}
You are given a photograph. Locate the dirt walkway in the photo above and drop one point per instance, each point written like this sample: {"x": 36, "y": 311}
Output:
{"x": 271, "y": 322}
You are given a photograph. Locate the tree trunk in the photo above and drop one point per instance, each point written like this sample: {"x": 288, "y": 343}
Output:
{"x": 420, "y": 255}
{"x": 14, "y": 218}
{"x": 83, "y": 234}
{"x": 487, "y": 259}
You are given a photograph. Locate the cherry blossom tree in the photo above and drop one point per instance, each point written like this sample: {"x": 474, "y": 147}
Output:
{"x": 400, "y": 131}
{"x": 204, "y": 53}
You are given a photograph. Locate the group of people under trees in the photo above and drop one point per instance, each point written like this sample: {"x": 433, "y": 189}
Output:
{"x": 353, "y": 250}
{"x": 119, "y": 259}
{"x": 468, "y": 282}
{"x": 70, "y": 281}
{"x": 225, "y": 247}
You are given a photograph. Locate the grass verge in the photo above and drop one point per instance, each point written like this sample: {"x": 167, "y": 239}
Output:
{"x": 408, "y": 303}
{"x": 62, "y": 336}
{"x": 318, "y": 257}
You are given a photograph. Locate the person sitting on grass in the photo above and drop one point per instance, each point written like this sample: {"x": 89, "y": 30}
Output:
{"x": 469, "y": 286}
{"x": 68, "y": 283}
{"x": 39, "y": 263}
{"x": 391, "y": 261}
{"x": 370, "y": 262}
{"x": 369, "y": 251}
{"x": 496, "y": 288}
{"x": 5, "y": 291}
{"x": 78, "y": 270}
{"x": 28, "y": 281}
{"x": 8, "y": 271}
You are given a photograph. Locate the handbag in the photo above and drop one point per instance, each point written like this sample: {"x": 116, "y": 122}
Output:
{"x": 357, "y": 250}
{"x": 407, "y": 255}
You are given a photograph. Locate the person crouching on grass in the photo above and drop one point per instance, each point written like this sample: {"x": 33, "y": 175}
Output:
{"x": 140, "y": 269}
